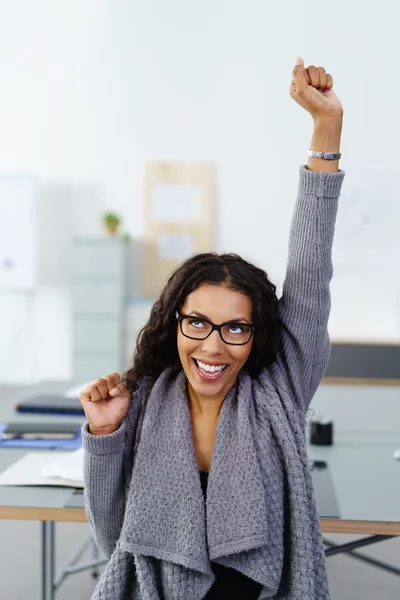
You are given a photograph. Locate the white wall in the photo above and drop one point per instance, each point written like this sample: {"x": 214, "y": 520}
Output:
{"x": 92, "y": 89}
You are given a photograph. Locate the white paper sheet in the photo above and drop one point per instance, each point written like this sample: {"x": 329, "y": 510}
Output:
{"x": 65, "y": 466}
{"x": 28, "y": 470}
{"x": 177, "y": 203}
{"x": 175, "y": 246}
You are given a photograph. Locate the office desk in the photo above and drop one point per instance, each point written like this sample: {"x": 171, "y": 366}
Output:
{"x": 365, "y": 475}
{"x": 34, "y": 503}
{"x": 44, "y": 504}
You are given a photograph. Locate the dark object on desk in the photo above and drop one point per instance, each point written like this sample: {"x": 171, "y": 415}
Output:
{"x": 325, "y": 494}
{"x": 54, "y": 404}
{"x": 76, "y": 500}
{"x": 321, "y": 432}
{"x": 40, "y": 431}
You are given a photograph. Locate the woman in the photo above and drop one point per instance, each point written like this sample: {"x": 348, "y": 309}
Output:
{"x": 215, "y": 405}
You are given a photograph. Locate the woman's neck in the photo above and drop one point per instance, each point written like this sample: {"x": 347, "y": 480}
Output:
{"x": 207, "y": 407}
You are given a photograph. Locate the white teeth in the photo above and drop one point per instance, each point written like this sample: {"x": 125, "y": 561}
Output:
{"x": 210, "y": 369}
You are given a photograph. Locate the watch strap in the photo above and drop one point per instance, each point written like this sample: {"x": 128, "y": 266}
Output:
{"x": 325, "y": 155}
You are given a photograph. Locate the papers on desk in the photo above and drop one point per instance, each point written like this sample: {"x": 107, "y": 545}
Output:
{"x": 54, "y": 404}
{"x": 46, "y": 468}
{"x": 68, "y": 467}
{"x": 70, "y": 444}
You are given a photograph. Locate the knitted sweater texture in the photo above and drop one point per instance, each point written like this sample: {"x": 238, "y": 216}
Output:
{"x": 142, "y": 487}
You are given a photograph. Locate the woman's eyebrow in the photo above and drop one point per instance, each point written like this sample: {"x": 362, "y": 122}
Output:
{"x": 199, "y": 314}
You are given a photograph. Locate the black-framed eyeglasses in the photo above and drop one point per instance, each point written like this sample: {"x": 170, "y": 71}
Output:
{"x": 234, "y": 333}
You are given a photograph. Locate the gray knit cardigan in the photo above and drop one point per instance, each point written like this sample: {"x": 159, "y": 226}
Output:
{"x": 142, "y": 487}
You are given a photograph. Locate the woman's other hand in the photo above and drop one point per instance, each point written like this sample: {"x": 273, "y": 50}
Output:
{"x": 105, "y": 402}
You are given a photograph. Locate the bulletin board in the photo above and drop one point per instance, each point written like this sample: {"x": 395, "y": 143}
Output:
{"x": 178, "y": 219}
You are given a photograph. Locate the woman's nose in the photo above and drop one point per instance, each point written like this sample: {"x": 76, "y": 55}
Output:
{"x": 213, "y": 344}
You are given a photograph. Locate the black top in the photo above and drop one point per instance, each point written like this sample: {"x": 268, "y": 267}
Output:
{"x": 229, "y": 583}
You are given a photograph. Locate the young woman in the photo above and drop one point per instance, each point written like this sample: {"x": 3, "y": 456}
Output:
{"x": 196, "y": 474}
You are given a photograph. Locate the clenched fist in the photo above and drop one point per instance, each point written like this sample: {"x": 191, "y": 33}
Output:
{"x": 105, "y": 402}
{"x": 312, "y": 89}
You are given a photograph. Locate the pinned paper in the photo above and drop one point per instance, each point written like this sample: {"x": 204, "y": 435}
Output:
{"x": 177, "y": 203}
{"x": 175, "y": 246}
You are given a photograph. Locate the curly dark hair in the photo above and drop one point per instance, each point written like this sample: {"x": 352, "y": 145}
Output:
{"x": 156, "y": 346}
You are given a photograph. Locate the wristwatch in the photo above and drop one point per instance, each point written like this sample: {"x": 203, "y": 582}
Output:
{"x": 325, "y": 155}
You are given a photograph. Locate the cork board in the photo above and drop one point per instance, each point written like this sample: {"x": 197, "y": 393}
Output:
{"x": 178, "y": 219}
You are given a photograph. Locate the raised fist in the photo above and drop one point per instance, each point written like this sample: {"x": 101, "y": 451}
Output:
{"x": 105, "y": 402}
{"x": 312, "y": 88}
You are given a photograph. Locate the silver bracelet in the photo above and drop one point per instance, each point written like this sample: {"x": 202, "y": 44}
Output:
{"x": 325, "y": 155}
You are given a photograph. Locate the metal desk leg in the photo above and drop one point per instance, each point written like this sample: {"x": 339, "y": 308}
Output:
{"x": 48, "y": 561}
{"x": 351, "y": 546}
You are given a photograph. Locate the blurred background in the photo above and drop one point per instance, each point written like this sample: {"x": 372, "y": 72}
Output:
{"x": 93, "y": 91}
{"x": 108, "y": 107}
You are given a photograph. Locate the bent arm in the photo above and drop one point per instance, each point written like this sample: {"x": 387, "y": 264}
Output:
{"x": 107, "y": 469}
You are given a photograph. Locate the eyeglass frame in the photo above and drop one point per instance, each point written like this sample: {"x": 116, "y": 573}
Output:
{"x": 180, "y": 317}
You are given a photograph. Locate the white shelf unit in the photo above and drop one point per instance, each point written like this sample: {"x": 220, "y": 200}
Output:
{"x": 98, "y": 287}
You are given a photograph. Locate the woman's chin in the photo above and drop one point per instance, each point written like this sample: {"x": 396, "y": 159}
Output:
{"x": 209, "y": 388}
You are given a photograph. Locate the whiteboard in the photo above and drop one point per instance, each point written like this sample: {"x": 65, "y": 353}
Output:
{"x": 18, "y": 232}
{"x": 367, "y": 240}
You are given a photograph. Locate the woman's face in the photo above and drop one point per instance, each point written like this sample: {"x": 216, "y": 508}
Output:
{"x": 212, "y": 366}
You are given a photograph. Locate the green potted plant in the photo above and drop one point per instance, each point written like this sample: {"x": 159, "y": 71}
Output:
{"x": 127, "y": 237}
{"x": 111, "y": 222}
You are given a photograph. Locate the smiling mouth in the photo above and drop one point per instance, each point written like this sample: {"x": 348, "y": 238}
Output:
{"x": 211, "y": 372}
